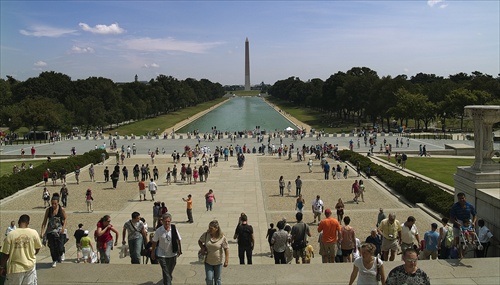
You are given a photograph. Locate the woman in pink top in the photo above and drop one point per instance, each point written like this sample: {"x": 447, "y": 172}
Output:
{"x": 209, "y": 199}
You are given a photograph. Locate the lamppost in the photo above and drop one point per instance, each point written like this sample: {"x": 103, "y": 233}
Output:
{"x": 10, "y": 135}
{"x": 444, "y": 123}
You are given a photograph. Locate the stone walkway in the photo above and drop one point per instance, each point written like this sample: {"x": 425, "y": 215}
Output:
{"x": 253, "y": 190}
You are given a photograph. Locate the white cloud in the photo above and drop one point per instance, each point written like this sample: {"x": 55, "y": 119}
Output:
{"x": 113, "y": 29}
{"x": 168, "y": 44}
{"x": 76, "y": 49}
{"x": 439, "y": 3}
{"x": 40, "y": 63}
{"x": 152, "y": 65}
{"x": 46, "y": 31}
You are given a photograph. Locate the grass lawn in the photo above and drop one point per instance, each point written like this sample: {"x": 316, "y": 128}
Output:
{"x": 164, "y": 121}
{"x": 6, "y": 166}
{"x": 310, "y": 116}
{"x": 440, "y": 169}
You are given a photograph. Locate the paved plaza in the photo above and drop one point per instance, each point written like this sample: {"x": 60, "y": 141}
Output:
{"x": 252, "y": 190}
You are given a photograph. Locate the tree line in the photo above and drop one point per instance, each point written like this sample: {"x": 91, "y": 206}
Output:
{"x": 360, "y": 95}
{"x": 54, "y": 102}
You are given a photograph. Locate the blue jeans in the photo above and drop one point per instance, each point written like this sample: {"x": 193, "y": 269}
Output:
{"x": 167, "y": 265}
{"x": 209, "y": 205}
{"x": 135, "y": 247}
{"x": 104, "y": 254}
{"x": 213, "y": 273}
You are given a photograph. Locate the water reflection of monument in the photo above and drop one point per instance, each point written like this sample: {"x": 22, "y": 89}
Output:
{"x": 481, "y": 181}
{"x": 240, "y": 114}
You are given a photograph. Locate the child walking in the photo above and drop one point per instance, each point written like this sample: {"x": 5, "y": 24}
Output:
{"x": 87, "y": 247}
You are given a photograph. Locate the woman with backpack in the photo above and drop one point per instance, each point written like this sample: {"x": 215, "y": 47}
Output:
{"x": 88, "y": 200}
{"x": 445, "y": 241}
{"x": 46, "y": 197}
{"x": 53, "y": 226}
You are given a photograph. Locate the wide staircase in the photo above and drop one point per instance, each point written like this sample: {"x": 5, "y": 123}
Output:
{"x": 466, "y": 271}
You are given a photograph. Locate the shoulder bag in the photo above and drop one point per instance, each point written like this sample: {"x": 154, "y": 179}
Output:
{"x": 202, "y": 255}
{"x": 300, "y": 243}
{"x": 379, "y": 277}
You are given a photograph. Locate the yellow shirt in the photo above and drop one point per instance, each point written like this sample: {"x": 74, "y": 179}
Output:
{"x": 85, "y": 242}
{"x": 388, "y": 229}
{"x": 21, "y": 245}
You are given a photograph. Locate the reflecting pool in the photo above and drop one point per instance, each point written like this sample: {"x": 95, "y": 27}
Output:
{"x": 240, "y": 114}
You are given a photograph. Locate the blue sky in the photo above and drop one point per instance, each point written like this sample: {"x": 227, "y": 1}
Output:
{"x": 206, "y": 39}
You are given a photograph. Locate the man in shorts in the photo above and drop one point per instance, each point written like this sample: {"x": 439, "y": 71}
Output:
{"x": 331, "y": 231}
{"x": 300, "y": 231}
{"x": 390, "y": 229}
{"x": 142, "y": 190}
{"x": 78, "y": 236}
{"x": 152, "y": 189}
{"x": 317, "y": 208}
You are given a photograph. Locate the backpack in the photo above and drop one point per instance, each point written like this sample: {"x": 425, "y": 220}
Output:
{"x": 244, "y": 235}
{"x": 448, "y": 239}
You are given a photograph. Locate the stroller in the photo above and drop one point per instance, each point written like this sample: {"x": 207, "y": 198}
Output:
{"x": 469, "y": 241}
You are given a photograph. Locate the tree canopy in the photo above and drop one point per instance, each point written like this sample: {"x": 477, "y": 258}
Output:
{"x": 54, "y": 102}
{"x": 360, "y": 95}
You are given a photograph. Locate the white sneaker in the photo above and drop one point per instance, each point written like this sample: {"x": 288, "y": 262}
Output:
{"x": 62, "y": 257}
{"x": 54, "y": 264}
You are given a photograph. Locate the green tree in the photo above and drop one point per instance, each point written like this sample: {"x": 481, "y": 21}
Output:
{"x": 459, "y": 98}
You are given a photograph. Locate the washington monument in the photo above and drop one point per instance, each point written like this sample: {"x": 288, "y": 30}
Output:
{"x": 247, "y": 66}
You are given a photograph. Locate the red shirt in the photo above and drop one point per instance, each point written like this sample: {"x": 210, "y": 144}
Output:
{"x": 106, "y": 236}
{"x": 142, "y": 185}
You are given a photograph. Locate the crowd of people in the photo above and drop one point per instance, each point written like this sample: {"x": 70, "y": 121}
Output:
{"x": 338, "y": 241}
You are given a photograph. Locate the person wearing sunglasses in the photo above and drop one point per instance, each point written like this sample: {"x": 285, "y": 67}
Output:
{"x": 408, "y": 273}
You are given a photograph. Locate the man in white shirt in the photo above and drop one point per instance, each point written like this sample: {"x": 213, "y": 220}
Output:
{"x": 484, "y": 235}
{"x": 152, "y": 188}
{"x": 409, "y": 234}
{"x": 317, "y": 208}
{"x": 168, "y": 242}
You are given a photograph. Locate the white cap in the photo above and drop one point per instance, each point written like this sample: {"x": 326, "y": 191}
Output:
{"x": 86, "y": 232}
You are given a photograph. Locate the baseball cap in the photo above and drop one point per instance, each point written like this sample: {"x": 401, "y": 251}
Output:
{"x": 86, "y": 232}
{"x": 328, "y": 211}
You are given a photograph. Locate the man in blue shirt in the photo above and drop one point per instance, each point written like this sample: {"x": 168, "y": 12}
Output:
{"x": 326, "y": 169}
{"x": 460, "y": 211}
{"x": 431, "y": 242}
